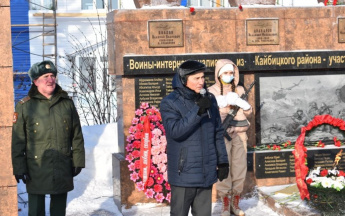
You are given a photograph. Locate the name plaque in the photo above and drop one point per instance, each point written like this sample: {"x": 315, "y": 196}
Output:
{"x": 165, "y": 33}
{"x": 274, "y": 164}
{"x": 262, "y": 31}
{"x": 277, "y": 164}
{"x": 153, "y": 89}
{"x": 341, "y": 30}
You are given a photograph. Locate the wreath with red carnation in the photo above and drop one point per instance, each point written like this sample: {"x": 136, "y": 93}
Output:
{"x": 146, "y": 153}
{"x": 300, "y": 152}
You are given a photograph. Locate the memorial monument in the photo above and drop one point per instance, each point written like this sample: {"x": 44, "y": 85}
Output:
{"x": 283, "y": 49}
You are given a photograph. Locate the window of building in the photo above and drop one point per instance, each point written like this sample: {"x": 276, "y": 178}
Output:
{"x": 208, "y": 3}
{"x": 41, "y": 4}
{"x": 205, "y": 3}
{"x": 104, "y": 63}
{"x": 113, "y": 4}
{"x": 99, "y": 4}
{"x": 92, "y": 4}
{"x": 87, "y": 73}
{"x": 112, "y": 82}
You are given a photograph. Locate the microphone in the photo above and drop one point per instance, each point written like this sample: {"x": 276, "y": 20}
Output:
{"x": 203, "y": 94}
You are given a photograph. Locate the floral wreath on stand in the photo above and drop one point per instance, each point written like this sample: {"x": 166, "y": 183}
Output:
{"x": 325, "y": 186}
{"x": 146, "y": 153}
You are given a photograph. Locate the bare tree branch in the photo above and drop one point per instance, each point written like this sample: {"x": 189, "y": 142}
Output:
{"x": 92, "y": 86}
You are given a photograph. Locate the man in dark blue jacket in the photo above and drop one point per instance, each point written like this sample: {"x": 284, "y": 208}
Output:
{"x": 196, "y": 151}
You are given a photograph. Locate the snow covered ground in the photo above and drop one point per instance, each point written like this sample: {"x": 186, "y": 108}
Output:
{"x": 93, "y": 186}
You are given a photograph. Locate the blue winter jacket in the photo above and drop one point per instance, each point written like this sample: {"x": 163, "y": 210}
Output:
{"x": 195, "y": 143}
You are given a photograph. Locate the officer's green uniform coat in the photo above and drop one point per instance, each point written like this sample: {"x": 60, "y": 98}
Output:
{"x": 47, "y": 142}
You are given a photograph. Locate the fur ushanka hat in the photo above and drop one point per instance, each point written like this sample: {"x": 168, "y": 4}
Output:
{"x": 40, "y": 68}
{"x": 189, "y": 67}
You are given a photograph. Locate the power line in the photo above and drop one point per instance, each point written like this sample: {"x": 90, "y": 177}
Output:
{"x": 30, "y": 38}
{"x": 29, "y": 52}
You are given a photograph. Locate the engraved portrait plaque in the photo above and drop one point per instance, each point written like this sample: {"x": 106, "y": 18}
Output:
{"x": 341, "y": 30}
{"x": 262, "y": 32}
{"x": 166, "y": 33}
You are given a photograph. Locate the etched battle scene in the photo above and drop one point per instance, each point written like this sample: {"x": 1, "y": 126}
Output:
{"x": 287, "y": 103}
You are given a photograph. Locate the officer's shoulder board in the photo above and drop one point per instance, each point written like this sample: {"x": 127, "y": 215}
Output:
{"x": 25, "y": 99}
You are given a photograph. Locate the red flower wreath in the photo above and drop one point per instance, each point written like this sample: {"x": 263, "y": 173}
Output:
{"x": 146, "y": 153}
{"x": 300, "y": 151}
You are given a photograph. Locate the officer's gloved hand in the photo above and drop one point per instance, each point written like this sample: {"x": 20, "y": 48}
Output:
{"x": 223, "y": 171}
{"x": 76, "y": 171}
{"x": 204, "y": 103}
{"x": 24, "y": 177}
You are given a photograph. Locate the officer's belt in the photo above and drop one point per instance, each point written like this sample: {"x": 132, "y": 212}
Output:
{"x": 242, "y": 123}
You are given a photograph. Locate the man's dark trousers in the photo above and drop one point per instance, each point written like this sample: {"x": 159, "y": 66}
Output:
{"x": 57, "y": 204}
{"x": 198, "y": 198}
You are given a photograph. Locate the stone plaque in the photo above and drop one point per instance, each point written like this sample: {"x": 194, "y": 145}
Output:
{"x": 277, "y": 164}
{"x": 274, "y": 164}
{"x": 341, "y": 30}
{"x": 262, "y": 32}
{"x": 266, "y": 61}
{"x": 325, "y": 158}
{"x": 166, "y": 33}
{"x": 153, "y": 89}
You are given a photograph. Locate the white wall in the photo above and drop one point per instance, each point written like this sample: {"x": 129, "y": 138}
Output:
{"x": 127, "y": 4}
{"x": 71, "y": 31}
{"x": 73, "y": 34}
{"x": 75, "y": 5}
{"x": 64, "y": 5}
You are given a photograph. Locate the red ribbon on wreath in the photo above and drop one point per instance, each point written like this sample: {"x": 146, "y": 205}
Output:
{"x": 145, "y": 151}
{"x": 300, "y": 151}
{"x": 326, "y": 2}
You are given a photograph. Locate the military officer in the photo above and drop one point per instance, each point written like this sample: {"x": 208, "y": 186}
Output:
{"x": 47, "y": 142}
